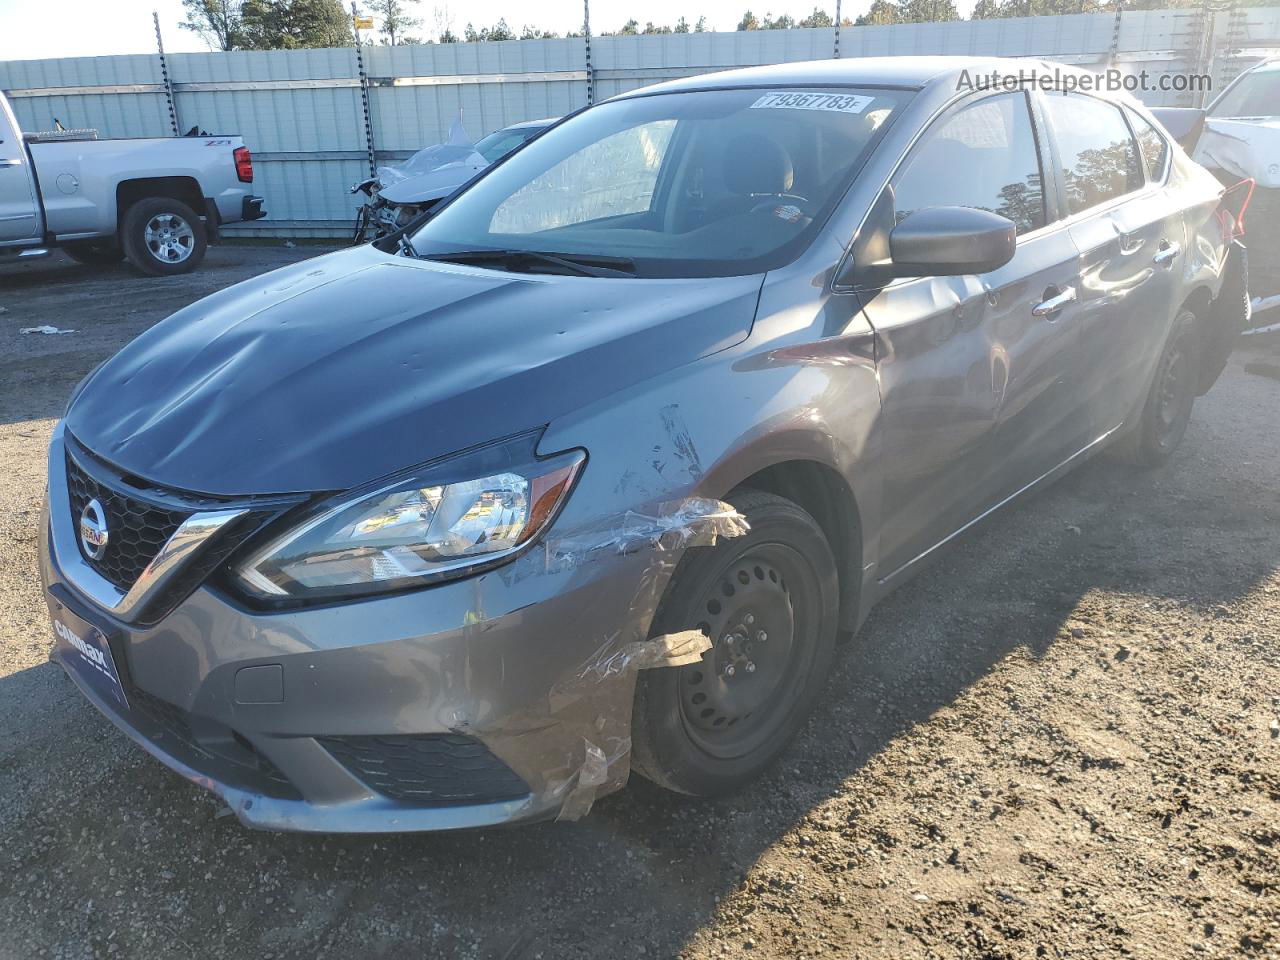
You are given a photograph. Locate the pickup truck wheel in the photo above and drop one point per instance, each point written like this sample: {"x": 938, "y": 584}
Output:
{"x": 163, "y": 236}
{"x": 97, "y": 253}
{"x": 1163, "y": 418}
{"x": 769, "y": 602}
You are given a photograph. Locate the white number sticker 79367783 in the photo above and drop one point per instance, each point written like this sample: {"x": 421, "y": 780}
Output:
{"x": 839, "y": 102}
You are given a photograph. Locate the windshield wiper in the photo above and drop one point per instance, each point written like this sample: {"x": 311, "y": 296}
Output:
{"x": 583, "y": 266}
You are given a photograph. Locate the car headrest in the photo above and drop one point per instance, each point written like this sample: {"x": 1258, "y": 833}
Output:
{"x": 755, "y": 164}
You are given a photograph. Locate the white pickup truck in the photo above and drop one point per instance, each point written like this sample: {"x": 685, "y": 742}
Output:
{"x": 157, "y": 202}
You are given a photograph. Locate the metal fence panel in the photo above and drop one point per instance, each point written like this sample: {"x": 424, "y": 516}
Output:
{"x": 301, "y": 110}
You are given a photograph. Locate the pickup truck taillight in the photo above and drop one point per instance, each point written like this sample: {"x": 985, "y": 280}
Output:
{"x": 244, "y": 164}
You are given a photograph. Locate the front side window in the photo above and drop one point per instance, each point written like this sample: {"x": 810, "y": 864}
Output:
{"x": 982, "y": 156}
{"x": 698, "y": 184}
{"x": 1099, "y": 158}
{"x": 1153, "y": 146}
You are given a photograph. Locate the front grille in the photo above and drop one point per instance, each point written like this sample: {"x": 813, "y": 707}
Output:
{"x": 247, "y": 770}
{"x": 136, "y": 529}
{"x": 435, "y": 769}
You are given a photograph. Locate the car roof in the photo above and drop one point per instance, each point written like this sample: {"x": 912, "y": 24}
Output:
{"x": 909, "y": 72}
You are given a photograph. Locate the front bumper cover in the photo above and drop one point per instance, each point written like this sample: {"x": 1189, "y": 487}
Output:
{"x": 528, "y": 669}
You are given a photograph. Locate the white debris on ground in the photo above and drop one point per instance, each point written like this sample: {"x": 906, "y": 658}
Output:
{"x": 44, "y": 328}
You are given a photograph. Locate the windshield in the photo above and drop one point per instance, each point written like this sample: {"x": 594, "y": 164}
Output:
{"x": 710, "y": 183}
{"x": 1255, "y": 94}
{"x": 501, "y": 142}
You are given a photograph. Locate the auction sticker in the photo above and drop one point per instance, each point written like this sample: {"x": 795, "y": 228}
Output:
{"x": 836, "y": 102}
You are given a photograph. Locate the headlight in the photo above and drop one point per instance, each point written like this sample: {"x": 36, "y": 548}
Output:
{"x": 440, "y": 521}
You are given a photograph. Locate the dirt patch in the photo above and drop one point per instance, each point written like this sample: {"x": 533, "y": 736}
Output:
{"x": 1062, "y": 740}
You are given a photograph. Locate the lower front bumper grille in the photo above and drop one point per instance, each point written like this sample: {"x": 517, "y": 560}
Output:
{"x": 435, "y": 769}
{"x": 235, "y": 762}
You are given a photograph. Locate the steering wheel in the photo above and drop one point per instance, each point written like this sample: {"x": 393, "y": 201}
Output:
{"x": 775, "y": 200}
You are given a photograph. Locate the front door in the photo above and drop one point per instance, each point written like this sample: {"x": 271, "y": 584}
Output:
{"x": 18, "y": 219}
{"x": 976, "y": 372}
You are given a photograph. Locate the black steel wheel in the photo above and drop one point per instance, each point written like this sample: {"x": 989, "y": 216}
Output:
{"x": 1163, "y": 419}
{"x": 769, "y": 603}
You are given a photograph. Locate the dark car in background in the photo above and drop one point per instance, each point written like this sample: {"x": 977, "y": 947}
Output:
{"x": 590, "y": 470}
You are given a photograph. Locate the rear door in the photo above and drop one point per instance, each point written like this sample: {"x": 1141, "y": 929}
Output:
{"x": 976, "y": 377}
{"x": 19, "y": 211}
{"x": 1130, "y": 239}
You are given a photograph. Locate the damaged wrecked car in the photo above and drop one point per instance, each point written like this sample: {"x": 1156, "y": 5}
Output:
{"x": 399, "y": 194}
{"x": 589, "y": 472}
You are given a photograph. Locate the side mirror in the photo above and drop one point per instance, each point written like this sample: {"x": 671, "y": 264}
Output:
{"x": 949, "y": 242}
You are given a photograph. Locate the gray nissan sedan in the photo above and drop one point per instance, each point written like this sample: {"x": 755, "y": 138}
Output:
{"x": 590, "y": 470}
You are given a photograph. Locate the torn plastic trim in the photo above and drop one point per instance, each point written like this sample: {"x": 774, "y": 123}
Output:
{"x": 595, "y": 698}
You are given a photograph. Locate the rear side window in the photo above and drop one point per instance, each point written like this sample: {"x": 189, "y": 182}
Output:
{"x": 984, "y": 156}
{"x": 1099, "y": 158}
{"x": 1153, "y": 147}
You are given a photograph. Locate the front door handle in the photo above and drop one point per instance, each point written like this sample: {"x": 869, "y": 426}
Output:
{"x": 1054, "y": 301}
{"x": 1168, "y": 253}
{"x": 10, "y": 163}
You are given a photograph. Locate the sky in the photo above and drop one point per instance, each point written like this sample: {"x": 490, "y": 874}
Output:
{"x": 36, "y": 29}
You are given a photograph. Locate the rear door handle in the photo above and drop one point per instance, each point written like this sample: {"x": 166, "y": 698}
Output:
{"x": 1054, "y": 301}
{"x": 1168, "y": 253}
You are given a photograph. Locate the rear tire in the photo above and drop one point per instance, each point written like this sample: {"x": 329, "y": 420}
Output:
{"x": 1162, "y": 421}
{"x": 94, "y": 252}
{"x": 163, "y": 237}
{"x": 770, "y": 602}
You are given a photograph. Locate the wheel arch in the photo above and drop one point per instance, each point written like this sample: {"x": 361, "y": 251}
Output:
{"x": 186, "y": 189}
{"x": 822, "y": 492}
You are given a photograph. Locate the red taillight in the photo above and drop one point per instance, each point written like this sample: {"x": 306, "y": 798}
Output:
{"x": 244, "y": 164}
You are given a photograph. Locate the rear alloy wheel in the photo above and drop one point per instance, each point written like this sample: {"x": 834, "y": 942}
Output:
{"x": 1166, "y": 412}
{"x": 163, "y": 236}
{"x": 769, "y": 602}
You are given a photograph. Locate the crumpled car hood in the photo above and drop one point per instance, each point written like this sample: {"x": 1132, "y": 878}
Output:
{"x": 339, "y": 370}
{"x": 428, "y": 186}
{"x": 1244, "y": 148}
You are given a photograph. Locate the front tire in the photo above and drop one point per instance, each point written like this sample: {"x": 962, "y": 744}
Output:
{"x": 1162, "y": 421}
{"x": 163, "y": 237}
{"x": 769, "y": 600}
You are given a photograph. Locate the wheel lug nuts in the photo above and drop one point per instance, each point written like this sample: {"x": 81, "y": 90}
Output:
{"x": 761, "y": 636}
{"x": 729, "y": 670}
{"x": 749, "y": 618}
{"x": 751, "y": 667}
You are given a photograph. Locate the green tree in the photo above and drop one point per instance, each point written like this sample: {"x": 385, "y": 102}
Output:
{"x": 294, "y": 24}
{"x": 533, "y": 33}
{"x": 881, "y": 13}
{"x": 927, "y": 11}
{"x": 748, "y": 22}
{"x": 216, "y": 21}
{"x": 819, "y": 18}
{"x": 395, "y": 20}
{"x": 499, "y": 31}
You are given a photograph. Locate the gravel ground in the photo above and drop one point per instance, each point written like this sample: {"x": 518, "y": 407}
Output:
{"x": 1062, "y": 740}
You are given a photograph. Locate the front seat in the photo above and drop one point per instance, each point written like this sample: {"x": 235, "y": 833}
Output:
{"x": 755, "y": 167}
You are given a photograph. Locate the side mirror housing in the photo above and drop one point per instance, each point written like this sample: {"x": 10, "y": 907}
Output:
{"x": 950, "y": 241}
